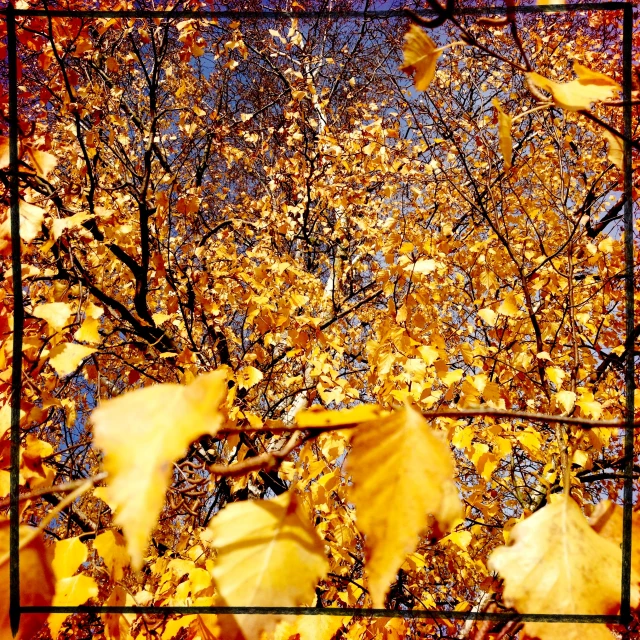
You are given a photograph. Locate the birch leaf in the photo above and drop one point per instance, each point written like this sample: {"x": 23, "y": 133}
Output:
{"x": 556, "y": 564}
{"x": 589, "y": 87}
{"x": 607, "y": 521}
{"x": 55, "y": 314}
{"x": 504, "y": 135}
{"x": 402, "y": 471}
{"x": 420, "y": 57}
{"x": 65, "y": 358}
{"x": 616, "y": 151}
{"x": 158, "y": 423}
{"x": 268, "y": 555}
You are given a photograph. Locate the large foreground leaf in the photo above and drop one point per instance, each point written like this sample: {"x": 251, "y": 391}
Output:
{"x": 556, "y": 564}
{"x": 142, "y": 433}
{"x": 268, "y": 555}
{"x": 402, "y": 471}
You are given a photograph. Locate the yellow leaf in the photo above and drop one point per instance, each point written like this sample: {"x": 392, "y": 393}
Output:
{"x": 88, "y": 331}
{"x": 488, "y": 316}
{"x": 420, "y": 57}
{"x": 402, "y": 471}
{"x": 68, "y": 555}
{"x": 70, "y": 592}
{"x": 556, "y": 375}
{"x": 606, "y": 520}
{"x": 36, "y": 583}
{"x": 590, "y": 87}
{"x": 55, "y": 314}
{"x": 616, "y": 150}
{"x": 157, "y": 423}
{"x": 509, "y": 306}
{"x": 566, "y": 399}
{"x": 504, "y": 134}
{"x": 111, "y": 546}
{"x": 556, "y": 564}
{"x": 318, "y": 417}
{"x": 65, "y": 358}
{"x": 31, "y": 218}
{"x": 268, "y": 555}
{"x": 588, "y": 405}
{"x": 428, "y": 353}
{"x": 451, "y": 377}
{"x": 249, "y": 377}
{"x": 61, "y": 224}
{"x": 310, "y": 628}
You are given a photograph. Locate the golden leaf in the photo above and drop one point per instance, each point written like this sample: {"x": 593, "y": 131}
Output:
{"x": 88, "y": 331}
{"x": 157, "y": 424}
{"x": 420, "y": 57}
{"x": 268, "y": 555}
{"x": 590, "y": 87}
{"x": 249, "y": 377}
{"x": 71, "y": 590}
{"x": 65, "y": 358}
{"x": 112, "y": 548}
{"x": 504, "y": 135}
{"x": 310, "y": 628}
{"x": 556, "y": 375}
{"x": 402, "y": 471}
{"x": 509, "y": 306}
{"x": 606, "y": 520}
{"x": 616, "y": 150}
{"x": 566, "y": 399}
{"x": 556, "y": 564}
{"x": 36, "y": 583}
{"x": 55, "y": 314}
{"x": 488, "y": 316}
{"x": 43, "y": 162}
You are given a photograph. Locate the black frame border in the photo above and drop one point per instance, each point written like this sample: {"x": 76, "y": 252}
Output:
{"x": 16, "y": 609}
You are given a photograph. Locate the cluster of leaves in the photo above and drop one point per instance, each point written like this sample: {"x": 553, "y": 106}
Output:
{"x": 302, "y": 332}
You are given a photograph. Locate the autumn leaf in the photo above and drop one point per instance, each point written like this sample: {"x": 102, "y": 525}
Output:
{"x": 310, "y": 628}
{"x": 55, "y": 314}
{"x": 606, "y": 520}
{"x": 488, "y": 316}
{"x": 36, "y": 582}
{"x": 268, "y": 555}
{"x": 111, "y": 546}
{"x": 402, "y": 471}
{"x": 157, "y": 423}
{"x": 616, "y": 149}
{"x": 65, "y": 358}
{"x": 420, "y": 57}
{"x": 249, "y": 377}
{"x": 556, "y": 564}
{"x": 590, "y": 87}
{"x": 71, "y": 590}
{"x": 504, "y": 134}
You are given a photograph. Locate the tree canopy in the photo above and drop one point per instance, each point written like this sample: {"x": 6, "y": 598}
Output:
{"x": 323, "y": 307}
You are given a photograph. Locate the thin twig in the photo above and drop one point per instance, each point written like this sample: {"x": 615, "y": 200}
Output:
{"x": 56, "y": 488}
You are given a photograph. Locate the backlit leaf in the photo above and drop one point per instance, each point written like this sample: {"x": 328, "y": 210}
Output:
{"x": 402, "y": 471}
{"x": 268, "y": 555}
{"x": 65, "y": 358}
{"x": 37, "y": 582}
{"x": 420, "y": 57}
{"x": 55, "y": 314}
{"x": 504, "y": 135}
{"x": 589, "y": 87}
{"x": 556, "y": 564}
{"x": 158, "y": 423}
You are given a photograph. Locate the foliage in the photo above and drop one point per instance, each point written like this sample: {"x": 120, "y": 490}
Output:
{"x": 302, "y": 330}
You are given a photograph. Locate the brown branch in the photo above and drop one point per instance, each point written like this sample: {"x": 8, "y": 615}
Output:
{"x": 56, "y": 488}
{"x": 264, "y": 461}
{"x": 584, "y": 423}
